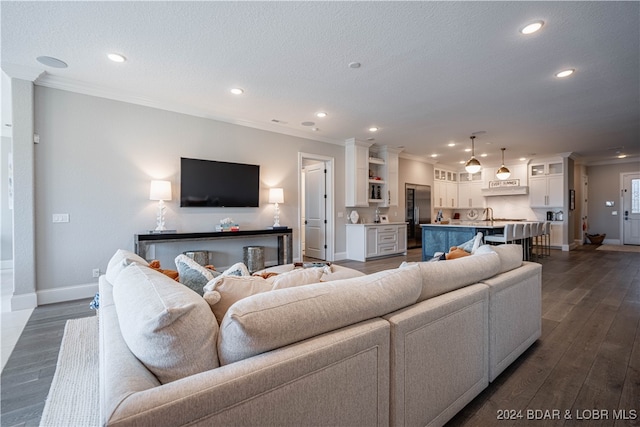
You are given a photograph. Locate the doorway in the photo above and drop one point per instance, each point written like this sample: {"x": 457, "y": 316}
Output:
{"x": 316, "y": 201}
{"x": 630, "y": 208}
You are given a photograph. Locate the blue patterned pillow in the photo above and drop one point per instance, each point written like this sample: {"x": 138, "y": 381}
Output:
{"x": 192, "y": 274}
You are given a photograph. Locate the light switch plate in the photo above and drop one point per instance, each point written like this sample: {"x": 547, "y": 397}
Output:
{"x": 61, "y": 217}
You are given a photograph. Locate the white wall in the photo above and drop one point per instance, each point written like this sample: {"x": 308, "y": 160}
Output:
{"x": 96, "y": 158}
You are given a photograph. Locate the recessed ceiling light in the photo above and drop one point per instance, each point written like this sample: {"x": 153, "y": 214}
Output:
{"x": 50, "y": 61}
{"x": 532, "y": 28}
{"x": 565, "y": 73}
{"x": 116, "y": 57}
{"x": 622, "y": 156}
{"x": 483, "y": 155}
{"x": 522, "y": 159}
{"x": 354, "y": 65}
{"x": 237, "y": 91}
{"x": 467, "y": 150}
{"x": 321, "y": 114}
{"x": 373, "y": 129}
{"x": 434, "y": 155}
{"x": 462, "y": 162}
{"x": 451, "y": 144}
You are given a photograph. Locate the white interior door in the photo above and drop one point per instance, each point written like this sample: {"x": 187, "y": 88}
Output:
{"x": 631, "y": 209}
{"x": 315, "y": 211}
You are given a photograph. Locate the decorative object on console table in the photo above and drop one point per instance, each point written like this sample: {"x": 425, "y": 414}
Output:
{"x": 384, "y": 219}
{"x": 276, "y": 195}
{"x": 160, "y": 191}
{"x": 227, "y": 224}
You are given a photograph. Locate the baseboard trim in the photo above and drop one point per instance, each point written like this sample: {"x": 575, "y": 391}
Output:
{"x": 611, "y": 242}
{"x": 339, "y": 256}
{"x": 69, "y": 293}
{"x": 24, "y": 301}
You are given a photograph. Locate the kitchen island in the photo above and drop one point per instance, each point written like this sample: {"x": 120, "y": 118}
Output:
{"x": 441, "y": 237}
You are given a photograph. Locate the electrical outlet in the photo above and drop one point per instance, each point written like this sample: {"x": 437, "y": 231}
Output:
{"x": 96, "y": 272}
{"x": 60, "y": 217}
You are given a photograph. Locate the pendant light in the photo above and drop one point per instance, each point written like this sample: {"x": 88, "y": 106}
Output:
{"x": 472, "y": 165}
{"x": 503, "y": 172}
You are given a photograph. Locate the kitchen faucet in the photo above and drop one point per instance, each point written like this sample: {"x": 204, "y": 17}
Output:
{"x": 489, "y": 214}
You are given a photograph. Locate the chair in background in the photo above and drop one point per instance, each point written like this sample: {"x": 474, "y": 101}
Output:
{"x": 521, "y": 235}
{"x": 505, "y": 237}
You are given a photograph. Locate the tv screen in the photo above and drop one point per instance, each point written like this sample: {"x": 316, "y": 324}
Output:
{"x": 208, "y": 183}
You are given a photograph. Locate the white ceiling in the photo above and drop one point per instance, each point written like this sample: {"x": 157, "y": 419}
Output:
{"x": 432, "y": 72}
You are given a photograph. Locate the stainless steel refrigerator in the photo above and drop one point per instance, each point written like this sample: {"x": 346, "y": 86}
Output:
{"x": 418, "y": 211}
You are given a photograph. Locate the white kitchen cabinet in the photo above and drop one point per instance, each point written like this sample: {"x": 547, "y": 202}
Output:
{"x": 371, "y": 177}
{"x": 555, "y": 234}
{"x": 390, "y": 174}
{"x": 470, "y": 190}
{"x": 445, "y": 189}
{"x": 366, "y": 241}
{"x": 546, "y": 184}
{"x": 356, "y": 173}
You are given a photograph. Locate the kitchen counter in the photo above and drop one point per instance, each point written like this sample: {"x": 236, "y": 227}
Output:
{"x": 370, "y": 224}
{"x": 441, "y": 237}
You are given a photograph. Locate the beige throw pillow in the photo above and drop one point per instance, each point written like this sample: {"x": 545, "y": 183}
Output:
{"x": 166, "y": 325}
{"x": 229, "y": 289}
{"x": 119, "y": 261}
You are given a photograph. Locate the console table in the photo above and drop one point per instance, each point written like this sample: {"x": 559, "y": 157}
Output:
{"x": 285, "y": 237}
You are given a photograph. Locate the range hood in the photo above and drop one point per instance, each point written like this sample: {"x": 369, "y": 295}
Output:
{"x": 507, "y": 187}
{"x": 505, "y": 191}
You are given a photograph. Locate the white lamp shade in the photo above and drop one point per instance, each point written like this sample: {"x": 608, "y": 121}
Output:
{"x": 160, "y": 190}
{"x": 276, "y": 195}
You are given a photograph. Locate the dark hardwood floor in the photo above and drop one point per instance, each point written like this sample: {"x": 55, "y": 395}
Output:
{"x": 586, "y": 362}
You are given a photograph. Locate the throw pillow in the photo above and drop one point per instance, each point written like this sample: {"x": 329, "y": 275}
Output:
{"x": 237, "y": 269}
{"x": 456, "y": 252}
{"x": 298, "y": 277}
{"x": 192, "y": 274}
{"x": 473, "y": 244}
{"x": 119, "y": 261}
{"x": 173, "y": 274}
{"x": 168, "y": 327}
{"x": 229, "y": 289}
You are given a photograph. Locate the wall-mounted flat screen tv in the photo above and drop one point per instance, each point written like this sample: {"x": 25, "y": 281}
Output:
{"x": 208, "y": 183}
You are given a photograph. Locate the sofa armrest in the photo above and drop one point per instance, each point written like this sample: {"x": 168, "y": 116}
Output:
{"x": 515, "y": 314}
{"x": 439, "y": 356}
{"x": 341, "y": 377}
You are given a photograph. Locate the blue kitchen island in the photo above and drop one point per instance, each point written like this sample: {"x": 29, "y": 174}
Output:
{"x": 441, "y": 237}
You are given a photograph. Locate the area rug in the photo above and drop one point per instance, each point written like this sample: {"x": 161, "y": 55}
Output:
{"x": 619, "y": 248}
{"x": 73, "y": 396}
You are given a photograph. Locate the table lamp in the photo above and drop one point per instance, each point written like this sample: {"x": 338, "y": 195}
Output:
{"x": 276, "y": 195}
{"x": 160, "y": 191}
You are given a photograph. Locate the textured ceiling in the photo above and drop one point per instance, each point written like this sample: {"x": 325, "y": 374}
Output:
{"x": 432, "y": 72}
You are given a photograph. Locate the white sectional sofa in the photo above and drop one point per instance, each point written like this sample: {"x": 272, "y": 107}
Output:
{"x": 408, "y": 346}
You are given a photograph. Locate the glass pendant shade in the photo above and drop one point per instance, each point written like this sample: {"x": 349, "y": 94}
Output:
{"x": 503, "y": 172}
{"x": 472, "y": 165}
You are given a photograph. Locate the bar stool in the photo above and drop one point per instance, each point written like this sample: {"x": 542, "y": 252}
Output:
{"x": 505, "y": 237}
{"x": 520, "y": 235}
{"x": 535, "y": 234}
{"x": 546, "y": 239}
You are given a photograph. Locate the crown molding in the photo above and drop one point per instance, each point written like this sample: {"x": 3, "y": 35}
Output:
{"x": 22, "y": 72}
{"x": 71, "y": 85}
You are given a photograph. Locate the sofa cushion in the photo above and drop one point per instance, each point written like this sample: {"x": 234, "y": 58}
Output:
{"x": 166, "y": 325}
{"x": 441, "y": 277}
{"x": 510, "y": 255}
{"x": 274, "y": 319}
{"x": 119, "y": 261}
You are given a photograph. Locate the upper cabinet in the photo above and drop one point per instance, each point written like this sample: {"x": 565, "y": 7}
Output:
{"x": 546, "y": 184}
{"x": 445, "y": 189}
{"x": 356, "y": 173}
{"x": 470, "y": 190}
{"x": 371, "y": 177}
